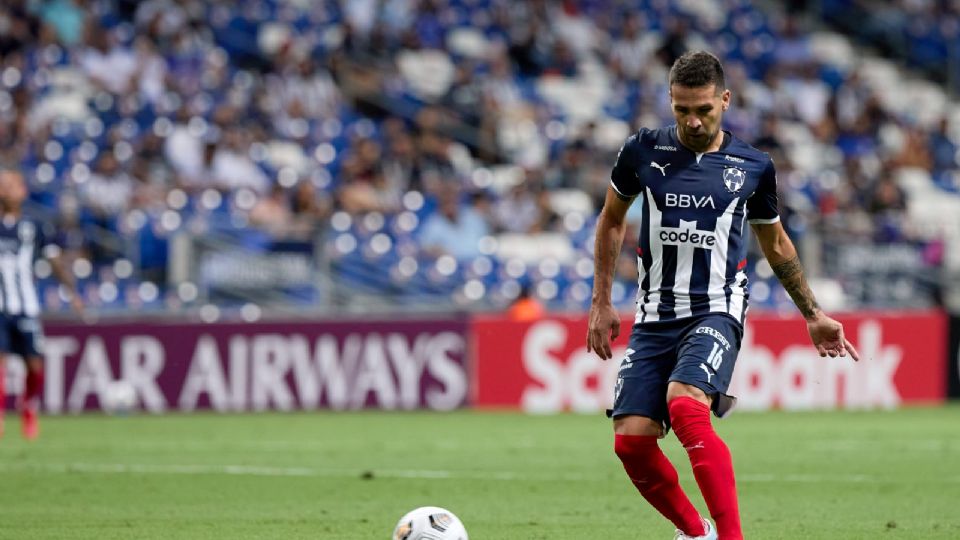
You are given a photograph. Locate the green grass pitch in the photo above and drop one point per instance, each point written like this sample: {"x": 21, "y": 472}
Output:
{"x": 851, "y": 475}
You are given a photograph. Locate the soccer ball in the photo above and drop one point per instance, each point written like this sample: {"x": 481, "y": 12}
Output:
{"x": 120, "y": 397}
{"x": 429, "y": 523}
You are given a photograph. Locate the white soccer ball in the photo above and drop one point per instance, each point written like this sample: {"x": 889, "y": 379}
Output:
{"x": 429, "y": 523}
{"x": 120, "y": 397}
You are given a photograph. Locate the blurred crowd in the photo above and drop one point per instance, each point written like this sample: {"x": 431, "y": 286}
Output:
{"x": 925, "y": 33}
{"x": 445, "y": 147}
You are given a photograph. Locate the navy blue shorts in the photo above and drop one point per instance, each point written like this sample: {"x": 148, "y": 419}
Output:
{"x": 21, "y": 335}
{"x": 699, "y": 351}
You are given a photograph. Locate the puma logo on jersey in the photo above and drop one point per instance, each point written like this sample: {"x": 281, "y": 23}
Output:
{"x": 662, "y": 168}
{"x": 707, "y": 371}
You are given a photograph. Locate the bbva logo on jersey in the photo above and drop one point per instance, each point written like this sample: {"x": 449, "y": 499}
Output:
{"x": 734, "y": 178}
{"x": 684, "y": 200}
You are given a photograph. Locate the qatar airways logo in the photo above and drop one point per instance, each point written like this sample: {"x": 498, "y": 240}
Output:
{"x": 687, "y": 234}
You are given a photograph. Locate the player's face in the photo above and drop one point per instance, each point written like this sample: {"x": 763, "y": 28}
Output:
{"x": 698, "y": 112}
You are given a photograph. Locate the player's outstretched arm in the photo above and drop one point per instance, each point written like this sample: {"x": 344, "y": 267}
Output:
{"x": 826, "y": 333}
{"x": 604, "y": 322}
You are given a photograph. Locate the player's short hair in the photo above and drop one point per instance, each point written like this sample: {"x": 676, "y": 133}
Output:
{"x": 695, "y": 69}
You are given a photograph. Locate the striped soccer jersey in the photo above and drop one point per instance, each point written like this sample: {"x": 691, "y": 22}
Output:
{"x": 21, "y": 241}
{"x": 693, "y": 239}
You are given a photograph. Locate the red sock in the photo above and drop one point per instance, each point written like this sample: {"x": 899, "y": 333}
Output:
{"x": 3, "y": 388}
{"x": 712, "y": 465}
{"x": 656, "y": 479}
{"x": 34, "y": 385}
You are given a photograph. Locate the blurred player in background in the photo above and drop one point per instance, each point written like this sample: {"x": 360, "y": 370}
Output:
{"x": 22, "y": 240}
{"x": 698, "y": 185}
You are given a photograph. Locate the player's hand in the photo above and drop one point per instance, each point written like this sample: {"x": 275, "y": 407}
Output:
{"x": 604, "y": 327}
{"x": 827, "y": 336}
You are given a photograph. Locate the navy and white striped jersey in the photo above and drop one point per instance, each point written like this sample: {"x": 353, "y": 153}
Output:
{"x": 21, "y": 242}
{"x": 693, "y": 238}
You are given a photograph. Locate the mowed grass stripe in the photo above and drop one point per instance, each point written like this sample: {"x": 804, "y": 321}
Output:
{"x": 247, "y": 470}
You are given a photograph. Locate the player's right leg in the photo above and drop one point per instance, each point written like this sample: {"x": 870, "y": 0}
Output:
{"x": 706, "y": 357}
{"x": 639, "y": 420}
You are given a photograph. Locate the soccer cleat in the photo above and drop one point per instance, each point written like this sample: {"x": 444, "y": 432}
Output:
{"x": 30, "y": 425}
{"x": 710, "y": 534}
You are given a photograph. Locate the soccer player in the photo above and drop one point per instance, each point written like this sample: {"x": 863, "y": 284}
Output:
{"x": 699, "y": 186}
{"x": 21, "y": 241}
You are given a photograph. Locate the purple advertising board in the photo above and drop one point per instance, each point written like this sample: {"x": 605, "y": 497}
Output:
{"x": 340, "y": 365}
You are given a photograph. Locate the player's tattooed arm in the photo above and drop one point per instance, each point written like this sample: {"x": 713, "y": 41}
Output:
{"x": 608, "y": 243}
{"x": 790, "y": 274}
{"x": 826, "y": 333}
{"x": 782, "y": 256}
{"x": 604, "y": 321}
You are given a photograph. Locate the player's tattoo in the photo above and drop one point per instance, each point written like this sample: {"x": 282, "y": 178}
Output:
{"x": 787, "y": 269}
{"x": 790, "y": 274}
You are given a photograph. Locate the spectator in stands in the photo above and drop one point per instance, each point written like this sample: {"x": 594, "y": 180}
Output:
{"x": 22, "y": 28}
{"x": 631, "y": 51}
{"x": 547, "y": 219}
{"x": 887, "y": 197}
{"x": 151, "y": 72}
{"x": 107, "y": 63}
{"x": 455, "y": 228}
{"x": 768, "y": 139}
{"x": 793, "y": 50}
{"x": 65, "y": 17}
{"x": 272, "y": 213}
{"x": 232, "y": 166}
{"x": 107, "y": 191}
{"x": 299, "y": 82}
{"x": 364, "y": 186}
{"x": 310, "y": 208}
{"x": 517, "y": 210}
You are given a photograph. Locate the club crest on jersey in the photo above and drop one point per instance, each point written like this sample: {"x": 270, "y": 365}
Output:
{"x": 734, "y": 178}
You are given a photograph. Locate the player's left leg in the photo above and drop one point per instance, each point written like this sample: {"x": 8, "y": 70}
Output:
{"x": 26, "y": 337}
{"x": 30, "y": 408}
{"x": 699, "y": 383}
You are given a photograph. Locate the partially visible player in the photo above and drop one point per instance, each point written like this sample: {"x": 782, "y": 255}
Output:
{"x": 22, "y": 241}
{"x": 700, "y": 186}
